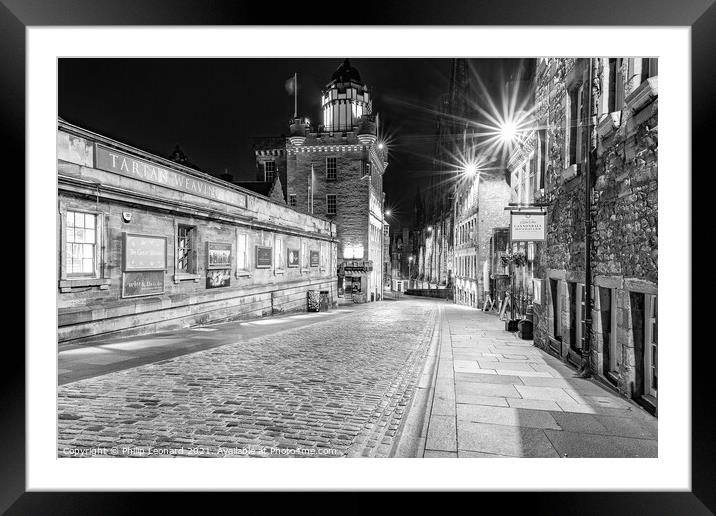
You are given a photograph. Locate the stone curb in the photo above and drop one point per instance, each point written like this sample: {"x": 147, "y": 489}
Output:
{"x": 411, "y": 436}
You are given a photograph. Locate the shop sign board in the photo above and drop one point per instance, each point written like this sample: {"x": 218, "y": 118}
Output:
{"x": 144, "y": 252}
{"x": 315, "y": 258}
{"x": 218, "y": 255}
{"x": 121, "y": 163}
{"x": 527, "y": 226}
{"x": 142, "y": 283}
{"x": 264, "y": 257}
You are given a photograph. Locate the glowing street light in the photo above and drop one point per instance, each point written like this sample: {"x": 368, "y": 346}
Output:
{"x": 387, "y": 213}
{"x": 471, "y": 169}
{"x": 508, "y": 132}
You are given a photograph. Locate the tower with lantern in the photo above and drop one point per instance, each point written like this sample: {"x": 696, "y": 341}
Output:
{"x": 334, "y": 169}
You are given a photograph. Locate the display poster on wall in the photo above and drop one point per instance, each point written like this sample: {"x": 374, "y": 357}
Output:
{"x": 142, "y": 283}
{"x": 315, "y": 259}
{"x": 264, "y": 257}
{"x": 144, "y": 252}
{"x": 537, "y": 289}
{"x": 527, "y": 226}
{"x": 292, "y": 257}
{"x": 218, "y": 278}
{"x": 218, "y": 255}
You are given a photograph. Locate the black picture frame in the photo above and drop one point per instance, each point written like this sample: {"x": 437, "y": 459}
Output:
{"x": 700, "y": 15}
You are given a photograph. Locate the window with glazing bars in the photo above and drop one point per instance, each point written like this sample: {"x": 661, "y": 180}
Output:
{"x": 269, "y": 171}
{"x": 331, "y": 204}
{"x": 81, "y": 242}
{"x": 331, "y": 173}
{"x": 185, "y": 248}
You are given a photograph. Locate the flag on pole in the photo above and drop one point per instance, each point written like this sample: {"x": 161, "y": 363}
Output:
{"x": 292, "y": 89}
{"x": 291, "y": 85}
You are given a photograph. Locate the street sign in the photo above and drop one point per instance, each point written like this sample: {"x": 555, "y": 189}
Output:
{"x": 527, "y": 226}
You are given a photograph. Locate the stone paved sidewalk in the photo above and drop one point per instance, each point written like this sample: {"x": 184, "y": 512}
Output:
{"x": 336, "y": 388}
{"x": 496, "y": 395}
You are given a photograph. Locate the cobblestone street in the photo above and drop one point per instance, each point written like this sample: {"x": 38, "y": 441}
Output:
{"x": 338, "y": 387}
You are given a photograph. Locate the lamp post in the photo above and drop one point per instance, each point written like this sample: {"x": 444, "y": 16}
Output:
{"x": 410, "y": 263}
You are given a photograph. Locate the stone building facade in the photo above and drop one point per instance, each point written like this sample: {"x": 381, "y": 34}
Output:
{"x": 335, "y": 170}
{"x": 622, "y": 151}
{"x": 147, "y": 244}
{"x": 480, "y": 202}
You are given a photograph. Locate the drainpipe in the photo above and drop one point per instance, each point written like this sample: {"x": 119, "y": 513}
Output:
{"x": 585, "y": 370}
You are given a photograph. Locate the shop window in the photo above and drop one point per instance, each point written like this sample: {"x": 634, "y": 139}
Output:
{"x": 81, "y": 250}
{"x": 651, "y": 365}
{"x": 304, "y": 255}
{"x": 81, "y": 244}
{"x": 607, "y": 314}
{"x": 279, "y": 256}
{"x": 572, "y": 293}
{"x": 331, "y": 204}
{"x": 242, "y": 253}
{"x": 269, "y": 171}
{"x": 186, "y": 250}
{"x": 331, "y": 169}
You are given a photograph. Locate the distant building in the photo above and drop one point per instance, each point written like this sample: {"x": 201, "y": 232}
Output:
{"x": 334, "y": 170}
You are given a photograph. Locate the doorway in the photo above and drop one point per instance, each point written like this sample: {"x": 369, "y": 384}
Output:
{"x": 607, "y": 315}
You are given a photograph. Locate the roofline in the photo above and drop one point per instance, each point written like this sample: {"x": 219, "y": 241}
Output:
{"x": 86, "y": 133}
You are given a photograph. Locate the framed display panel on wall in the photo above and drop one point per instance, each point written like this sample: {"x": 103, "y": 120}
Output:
{"x": 143, "y": 252}
{"x": 218, "y": 255}
{"x": 264, "y": 257}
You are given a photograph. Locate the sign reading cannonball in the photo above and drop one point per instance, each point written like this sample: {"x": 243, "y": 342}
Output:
{"x": 527, "y": 226}
{"x": 144, "y": 252}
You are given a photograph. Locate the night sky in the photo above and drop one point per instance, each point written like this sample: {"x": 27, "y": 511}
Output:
{"x": 212, "y": 107}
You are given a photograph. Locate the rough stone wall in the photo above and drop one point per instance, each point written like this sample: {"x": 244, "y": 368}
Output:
{"x": 350, "y": 188}
{"x": 624, "y": 213}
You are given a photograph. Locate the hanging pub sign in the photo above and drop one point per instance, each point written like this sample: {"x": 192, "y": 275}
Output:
{"x": 218, "y": 278}
{"x": 218, "y": 255}
{"x": 315, "y": 259}
{"x": 142, "y": 283}
{"x": 144, "y": 252}
{"x": 292, "y": 257}
{"x": 527, "y": 226}
{"x": 264, "y": 257}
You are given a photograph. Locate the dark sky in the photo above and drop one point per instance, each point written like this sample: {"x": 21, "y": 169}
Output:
{"x": 212, "y": 107}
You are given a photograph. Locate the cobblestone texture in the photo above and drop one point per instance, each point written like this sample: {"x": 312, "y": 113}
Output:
{"x": 333, "y": 389}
